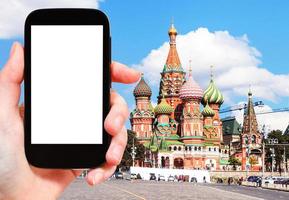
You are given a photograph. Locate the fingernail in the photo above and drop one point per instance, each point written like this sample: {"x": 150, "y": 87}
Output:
{"x": 12, "y": 50}
{"x": 98, "y": 177}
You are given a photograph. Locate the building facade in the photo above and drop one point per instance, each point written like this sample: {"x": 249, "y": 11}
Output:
{"x": 184, "y": 130}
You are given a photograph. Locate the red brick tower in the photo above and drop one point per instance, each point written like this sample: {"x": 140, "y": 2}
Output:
{"x": 142, "y": 116}
{"x": 250, "y": 137}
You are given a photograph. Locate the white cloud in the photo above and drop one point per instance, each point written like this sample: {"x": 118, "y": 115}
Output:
{"x": 237, "y": 64}
{"x": 14, "y": 12}
{"x": 272, "y": 121}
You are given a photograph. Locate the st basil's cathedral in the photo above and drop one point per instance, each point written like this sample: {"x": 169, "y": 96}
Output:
{"x": 177, "y": 133}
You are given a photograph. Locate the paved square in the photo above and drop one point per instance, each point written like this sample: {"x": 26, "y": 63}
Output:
{"x": 123, "y": 189}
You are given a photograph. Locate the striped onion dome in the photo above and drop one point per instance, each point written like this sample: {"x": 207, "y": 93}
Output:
{"x": 163, "y": 108}
{"x": 208, "y": 111}
{"x": 142, "y": 89}
{"x": 191, "y": 89}
{"x": 212, "y": 95}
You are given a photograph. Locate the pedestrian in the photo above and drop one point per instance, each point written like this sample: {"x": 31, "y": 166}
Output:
{"x": 204, "y": 179}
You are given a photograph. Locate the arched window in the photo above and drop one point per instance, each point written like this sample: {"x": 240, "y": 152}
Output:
{"x": 180, "y": 148}
{"x": 170, "y": 148}
{"x": 186, "y": 148}
{"x": 209, "y": 148}
{"x": 175, "y": 148}
{"x": 246, "y": 140}
{"x": 226, "y": 151}
{"x": 195, "y": 148}
{"x": 215, "y": 149}
{"x": 253, "y": 139}
{"x": 199, "y": 148}
{"x": 190, "y": 148}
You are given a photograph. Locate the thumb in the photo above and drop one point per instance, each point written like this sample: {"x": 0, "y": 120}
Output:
{"x": 11, "y": 77}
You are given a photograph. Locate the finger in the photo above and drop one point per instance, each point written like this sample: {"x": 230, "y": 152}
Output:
{"x": 123, "y": 74}
{"x": 11, "y": 77}
{"x": 117, "y": 115}
{"x": 100, "y": 174}
{"x": 117, "y": 147}
{"x": 13, "y": 70}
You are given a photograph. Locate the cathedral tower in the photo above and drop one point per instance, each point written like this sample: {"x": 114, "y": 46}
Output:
{"x": 191, "y": 119}
{"x": 214, "y": 98}
{"x": 142, "y": 116}
{"x": 162, "y": 122}
{"x": 251, "y": 138}
{"x": 172, "y": 77}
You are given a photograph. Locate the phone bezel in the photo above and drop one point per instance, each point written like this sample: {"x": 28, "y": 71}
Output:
{"x": 66, "y": 156}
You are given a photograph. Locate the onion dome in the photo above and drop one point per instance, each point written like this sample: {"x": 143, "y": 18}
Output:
{"x": 142, "y": 89}
{"x": 191, "y": 89}
{"x": 212, "y": 94}
{"x": 163, "y": 108}
{"x": 208, "y": 111}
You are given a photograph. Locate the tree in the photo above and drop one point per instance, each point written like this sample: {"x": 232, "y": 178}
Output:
{"x": 126, "y": 160}
{"x": 278, "y": 150}
{"x": 234, "y": 161}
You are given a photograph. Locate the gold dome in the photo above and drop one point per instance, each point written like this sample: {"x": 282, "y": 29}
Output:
{"x": 173, "y": 30}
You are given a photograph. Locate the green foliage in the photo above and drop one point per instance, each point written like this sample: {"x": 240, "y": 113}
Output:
{"x": 279, "y": 150}
{"x": 126, "y": 160}
{"x": 234, "y": 161}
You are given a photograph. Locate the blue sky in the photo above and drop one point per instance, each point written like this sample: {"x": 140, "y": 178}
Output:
{"x": 137, "y": 27}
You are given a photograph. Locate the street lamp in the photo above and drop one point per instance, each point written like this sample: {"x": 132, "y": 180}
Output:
{"x": 273, "y": 141}
{"x": 133, "y": 152}
{"x": 247, "y": 159}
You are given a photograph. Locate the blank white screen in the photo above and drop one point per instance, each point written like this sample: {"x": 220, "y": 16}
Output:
{"x": 66, "y": 84}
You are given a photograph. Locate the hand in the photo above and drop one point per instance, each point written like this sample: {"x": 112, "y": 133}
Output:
{"x": 19, "y": 180}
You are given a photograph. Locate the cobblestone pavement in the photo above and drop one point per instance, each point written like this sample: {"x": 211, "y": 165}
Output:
{"x": 136, "y": 190}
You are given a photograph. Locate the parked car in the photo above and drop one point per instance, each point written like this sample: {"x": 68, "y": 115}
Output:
{"x": 133, "y": 176}
{"x": 118, "y": 175}
{"x": 194, "y": 180}
{"x": 281, "y": 181}
{"x": 153, "y": 177}
{"x": 161, "y": 178}
{"x": 171, "y": 178}
{"x": 285, "y": 181}
{"x": 271, "y": 179}
{"x": 255, "y": 179}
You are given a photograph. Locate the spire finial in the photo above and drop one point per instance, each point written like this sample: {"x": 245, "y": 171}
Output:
{"x": 212, "y": 74}
{"x": 172, "y": 29}
{"x": 142, "y": 74}
{"x": 250, "y": 91}
{"x": 172, "y": 21}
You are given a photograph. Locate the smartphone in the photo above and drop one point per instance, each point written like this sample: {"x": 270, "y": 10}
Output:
{"x": 66, "y": 88}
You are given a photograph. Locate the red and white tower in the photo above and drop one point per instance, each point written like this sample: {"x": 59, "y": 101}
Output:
{"x": 142, "y": 116}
